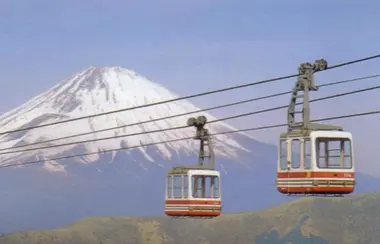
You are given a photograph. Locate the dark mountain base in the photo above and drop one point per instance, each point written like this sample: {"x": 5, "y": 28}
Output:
{"x": 312, "y": 220}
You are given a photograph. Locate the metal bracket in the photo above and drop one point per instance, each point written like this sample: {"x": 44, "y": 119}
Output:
{"x": 205, "y": 141}
{"x": 304, "y": 84}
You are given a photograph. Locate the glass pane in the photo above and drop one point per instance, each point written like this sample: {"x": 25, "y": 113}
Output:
{"x": 216, "y": 187}
{"x": 334, "y": 157}
{"x": 169, "y": 186}
{"x": 208, "y": 186}
{"x": 185, "y": 186}
{"x": 201, "y": 186}
{"x": 193, "y": 188}
{"x": 334, "y": 153}
{"x": 322, "y": 148}
{"x": 296, "y": 146}
{"x": 205, "y": 186}
{"x": 282, "y": 154}
{"x": 307, "y": 150}
{"x": 321, "y": 154}
{"x": 196, "y": 186}
{"x": 177, "y": 186}
{"x": 347, "y": 150}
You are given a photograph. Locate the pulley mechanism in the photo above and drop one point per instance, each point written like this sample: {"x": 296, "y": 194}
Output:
{"x": 304, "y": 84}
{"x": 205, "y": 141}
{"x": 206, "y": 158}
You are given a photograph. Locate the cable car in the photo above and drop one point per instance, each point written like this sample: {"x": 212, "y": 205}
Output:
{"x": 321, "y": 163}
{"x": 314, "y": 159}
{"x": 194, "y": 191}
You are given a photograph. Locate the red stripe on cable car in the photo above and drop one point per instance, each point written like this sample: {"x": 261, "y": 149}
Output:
{"x": 316, "y": 189}
{"x": 197, "y": 202}
{"x": 193, "y": 213}
{"x": 314, "y": 174}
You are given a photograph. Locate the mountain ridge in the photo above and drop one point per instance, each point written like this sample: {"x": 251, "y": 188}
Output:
{"x": 348, "y": 220}
{"x": 96, "y": 90}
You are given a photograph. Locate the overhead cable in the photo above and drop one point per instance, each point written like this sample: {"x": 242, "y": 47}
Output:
{"x": 184, "y": 114}
{"x": 186, "y": 126}
{"x": 186, "y": 138}
{"x": 353, "y": 62}
{"x": 186, "y": 97}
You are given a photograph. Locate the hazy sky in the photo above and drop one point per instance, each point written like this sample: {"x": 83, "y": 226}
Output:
{"x": 193, "y": 46}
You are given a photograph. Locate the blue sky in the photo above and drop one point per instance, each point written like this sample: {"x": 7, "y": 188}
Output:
{"x": 193, "y": 46}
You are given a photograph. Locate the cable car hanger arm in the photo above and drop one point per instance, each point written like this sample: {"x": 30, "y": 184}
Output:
{"x": 205, "y": 161}
{"x": 304, "y": 84}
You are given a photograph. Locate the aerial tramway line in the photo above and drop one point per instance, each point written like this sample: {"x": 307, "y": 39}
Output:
{"x": 313, "y": 159}
{"x": 194, "y": 190}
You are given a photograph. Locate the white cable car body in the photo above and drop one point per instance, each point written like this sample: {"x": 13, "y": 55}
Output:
{"x": 313, "y": 159}
{"x": 196, "y": 193}
{"x": 195, "y": 190}
{"x": 320, "y": 164}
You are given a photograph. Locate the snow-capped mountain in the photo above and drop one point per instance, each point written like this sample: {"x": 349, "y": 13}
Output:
{"x": 97, "y": 90}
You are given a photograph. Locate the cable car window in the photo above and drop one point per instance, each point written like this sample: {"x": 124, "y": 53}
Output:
{"x": 203, "y": 188}
{"x": 347, "y": 152}
{"x": 282, "y": 154}
{"x": 169, "y": 186}
{"x": 321, "y": 156}
{"x": 216, "y": 187}
{"x": 334, "y": 153}
{"x": 208, "y": 186}
{"x": 307, "y": 151}
{"x": 185, "y": 186}
{"x": 195, "y": 185}
{"x": 296, "y": 153}
{"x": 334, "y": 157}
{"x": 177, "y": 186}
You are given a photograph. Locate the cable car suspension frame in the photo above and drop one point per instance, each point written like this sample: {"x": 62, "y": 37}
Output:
{"x": 204, "y": 161}
{"x": 205, "y": 207}
{"x": 303, "y": 131}
{"x": 305, "y": 83}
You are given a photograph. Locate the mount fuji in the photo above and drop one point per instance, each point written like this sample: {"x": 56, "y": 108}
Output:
{"x": 129, "y": 182}
{"x": 97, "y": 90}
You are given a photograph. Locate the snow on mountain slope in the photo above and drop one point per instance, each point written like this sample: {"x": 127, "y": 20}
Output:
{"x": 97, "y": 90}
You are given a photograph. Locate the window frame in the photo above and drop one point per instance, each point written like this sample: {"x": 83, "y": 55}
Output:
{"x": 170, "y": 189}
{"x": 300, "y": 153}
{"x": 307, "y": 161}
{"x": 282, "y": 154}
{"x": 327, "y": 152}
{"x": 212, "y": 191}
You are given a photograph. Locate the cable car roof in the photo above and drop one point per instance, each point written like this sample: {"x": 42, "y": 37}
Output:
{"x": 308, "y": 134}
{"x": 192, "y": 170}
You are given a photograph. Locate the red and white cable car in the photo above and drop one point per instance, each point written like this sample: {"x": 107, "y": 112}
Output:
{"x": 314, "y": 159}
{"x": 195, "y": 194}
{"x": 194, "y": 191}
{"x": 321, "y": 163}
